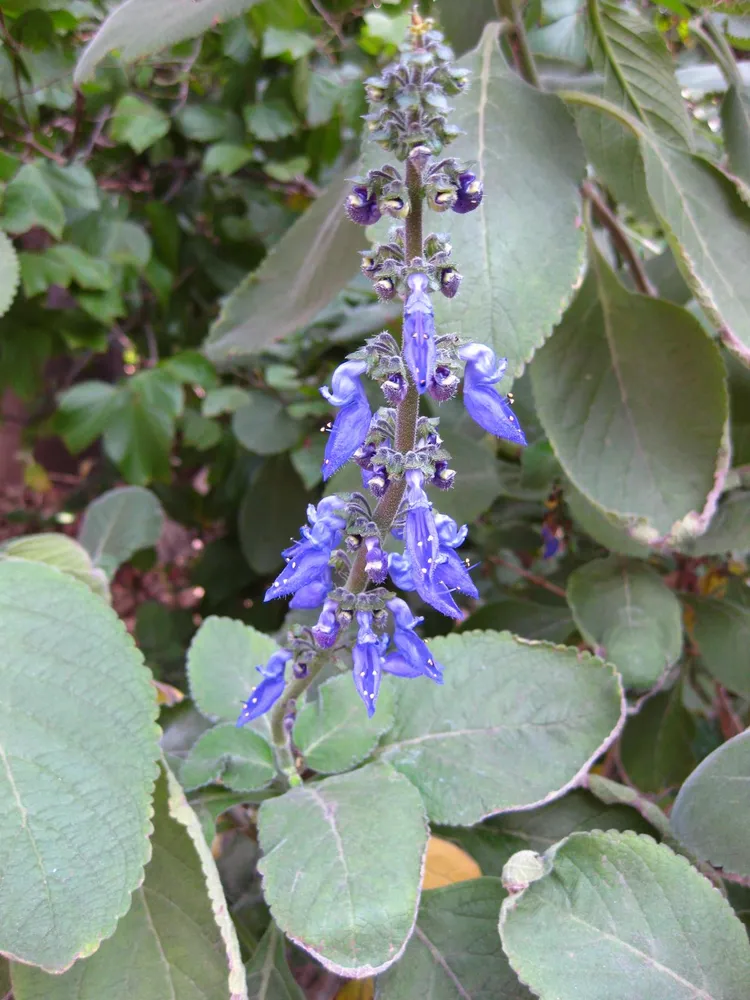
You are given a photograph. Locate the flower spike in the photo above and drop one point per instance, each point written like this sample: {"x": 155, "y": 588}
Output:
{"x": 419, "y": 332}
{"x": 483, "y": 404}
{"x": 353, "y": 419}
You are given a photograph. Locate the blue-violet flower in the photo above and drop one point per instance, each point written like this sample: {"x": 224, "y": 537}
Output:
{"x": 421, "y": 537}
{"x": 413, "y": 658}
{"x": 270, "y": 689}
{"x": 419, "y": 332}
{"x": 362, "y": 207}
{"x": 367, "y": 662}
{"x": 353, "y": 419}
{"x": 307, "y": 571}
{"x": 483, "y": 403}
{"x": 468, "y": 193}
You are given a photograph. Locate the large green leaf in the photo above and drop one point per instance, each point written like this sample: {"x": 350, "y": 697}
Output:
{"x": 140, "y": 27}
{"x": 332, "y": 734}
{"x": 61, "y": 552}
{"x": 721, "y": 631}
{"x": 221, "y": 666}
{"x": 638, "y": 76}
{"x": 78, "y": 729}
{"x": 29, "y": 201}
{"x": 239, "y": 758}
{"x": 629, "y": 444}
{"x": 455, "y": 952}
{"x": 309, "y": 265}
{"x": 707, "y": 225}
{"x": 271, "y": 512}
{"x": 545, "y": 617}
{"x": 176, "y": 941}
{"x": 118, "y": 524}
{"x": 263, "y": 425}
{"x": 528, "y": 214}
{"x": 495, "y": 841}
{"x": 9, "y": 273}
{"x": 549, "y": 711}
{"x": 268, "y": 975}
{"x": 618, "y": 912}
{"x": 656, "y": 744}
{"x": 342, "y": 867}
{"x": 712, "y": 813}
{"x": 605, "y": 528}
{"x": 729, "y": 530}
{"x": 735, "y": 119}
{"x": 629, "y": 615}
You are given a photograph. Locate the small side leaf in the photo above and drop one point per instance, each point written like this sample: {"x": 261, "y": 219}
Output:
{"x": 120, "y": 523}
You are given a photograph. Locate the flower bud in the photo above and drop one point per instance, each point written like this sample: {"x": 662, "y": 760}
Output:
{"x": 444, "y": 478}
{"x": 369, "y": 265}
{"x": 395, "y": 388}
{"x": 377, "y": 481}
{"x": 440, "y": 196}
{"x": 386, "y": 288}
{"x": 363, "y": 456}
{"x": 376, "y": 563}
{"x": 470, "y": 192}
{"x": 450, "y": 279}
{"x": 444, "y": 384}
{"x": 361, "y": 207}
{"x": 396, "y": 206}
{"x": 375, "y": 90}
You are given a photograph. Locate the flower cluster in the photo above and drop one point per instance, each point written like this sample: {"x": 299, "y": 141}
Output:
{"x": 350, "y": 549}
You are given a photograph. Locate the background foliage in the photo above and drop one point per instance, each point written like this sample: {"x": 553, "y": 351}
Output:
{"x": 177, "y": 279}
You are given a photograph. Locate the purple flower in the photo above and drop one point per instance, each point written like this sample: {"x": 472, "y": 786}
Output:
{"x": 483, "y": 403}
{"x": 270, "y": 689}
{"x": 450, "y": 279}
{"x": 353, "y": 419}
{"x": 307, "y": 570}
{"x": 419, "y": 331}
{"x": 395, "y": 388}
{"x": 367, "y": 667}
{"x": 362, "y": 207}
{"x": 327, "y": 627}
{"x": 444, "y": 477}
{"x": 552, "y": 542}
{"x": 399, "y": 570}
{"x": 421, "y": 537}
{"x": 444, "y": 384}
{"x": 313, "y": 595}
{"x": 451, "y": 569}
{"x": 468, "y": 193}
{"x": 413, "y": 658}
{"x": 376, "y": 563}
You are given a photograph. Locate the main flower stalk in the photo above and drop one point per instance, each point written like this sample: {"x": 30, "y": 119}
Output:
{"x": 341, "y": 563}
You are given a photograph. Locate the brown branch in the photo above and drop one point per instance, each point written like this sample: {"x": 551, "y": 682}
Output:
{"x": 531, "y": 577}
{"x": 609, "y": 220}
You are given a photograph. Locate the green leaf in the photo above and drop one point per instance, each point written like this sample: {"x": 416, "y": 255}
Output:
{"x": 729, "y": 530}
{"x": 710, "y": 815}
{"x": 283, "y": 42}
{"x": 631, "y": 617}
{"x": 495, "y": 841}
{"x": 239, "y": 758}
{"x": 209, "y": 123}
{"x": 73, "y": 684}
{"x": 478, "y": 480}
{"x": 221, "y": 666}
{"x": 619, "y": 909}
{"x": 550, "y": 709}
{"x": 273, "y": 119}
{"x": 268, "y": 974}
{"x": 265, "y": 529}
{"x": 61, "y": 552}
{"x": 74, "y": 184}
{"x": 226, "y": 158}
{"x": 200, "y": 432}
{"x": 10, "y": 273}
{"x": 311, "y": 263}
{"x": 263, "y": 426}
{"x": 455, "y": 952}
{"x": 62, "y": 265}
{"x": 629, "y": 446}
{"x": 225, "y": 399}
{"x": 173, "y": 942}
{"x": 721, "y": 631}
{"x": 506, "y": 300}
{"x": 137, "y": 123}
{"x": 120, "y": 523}
{"x": 656, "y": 744}
{"x": 140, "y": 27}
{"x": 537, "y": 619}
{"x": 342, "y": 867}
{"x": 140, "y": 431}
{"x": 735, "y": 120}
{"x": 707, "y": 225}
{"x": 332, "y": 734}
{"x": 30, "y": 201}
{"x": 463, "y": 25}
{"x": 606, "y": 529}
{"x": 191, "y": 368}
{"x": 83, "y": 413}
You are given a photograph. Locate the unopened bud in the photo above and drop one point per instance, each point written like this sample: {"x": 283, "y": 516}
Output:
{"x": 450, "y": 280}
{"x": 386, "y": 288}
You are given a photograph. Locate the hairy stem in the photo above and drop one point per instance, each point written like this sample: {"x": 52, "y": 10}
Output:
{"x": 609, "y": 220}
{"x": 511, "y": 9}
{"x": 407, "y": 414}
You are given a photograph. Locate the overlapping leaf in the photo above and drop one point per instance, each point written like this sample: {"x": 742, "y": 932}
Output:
{"x": 528, "y": 214}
